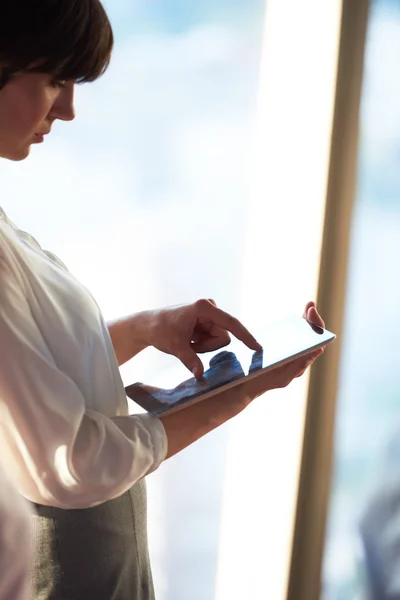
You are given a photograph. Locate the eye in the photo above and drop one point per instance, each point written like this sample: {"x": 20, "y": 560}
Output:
{"x": 58, "y": 84}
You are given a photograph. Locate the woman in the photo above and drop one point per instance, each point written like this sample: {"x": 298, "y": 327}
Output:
{"x": 65, "y": 430}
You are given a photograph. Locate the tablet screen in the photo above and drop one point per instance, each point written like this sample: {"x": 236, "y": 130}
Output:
{"x": 281, "y": 341}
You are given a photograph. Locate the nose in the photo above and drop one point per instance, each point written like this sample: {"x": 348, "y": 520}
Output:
{"x": 63, "y": 108}
{"x": 68, "y": 113}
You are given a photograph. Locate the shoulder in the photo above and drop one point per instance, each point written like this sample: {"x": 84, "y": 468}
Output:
{"x": 20, "y": 241}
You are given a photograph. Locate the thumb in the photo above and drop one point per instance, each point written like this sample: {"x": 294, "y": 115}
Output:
{"x": 314, "y": 317}
{"x": 191, "y": 361}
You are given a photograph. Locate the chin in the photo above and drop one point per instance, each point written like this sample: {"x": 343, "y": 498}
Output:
{"x": 17, "y": 155}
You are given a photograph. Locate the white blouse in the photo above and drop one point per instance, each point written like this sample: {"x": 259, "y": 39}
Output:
{"x": 65, "y": 431}
{"x": 15, "y": 543}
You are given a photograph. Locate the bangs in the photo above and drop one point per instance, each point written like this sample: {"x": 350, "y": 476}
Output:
{"x": 70, "y": 39}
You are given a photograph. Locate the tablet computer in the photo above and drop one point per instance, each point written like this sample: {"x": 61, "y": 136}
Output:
{"x": 282, "y": 342}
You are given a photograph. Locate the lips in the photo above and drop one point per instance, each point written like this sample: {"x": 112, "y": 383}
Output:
{"x": 41, "y": 133}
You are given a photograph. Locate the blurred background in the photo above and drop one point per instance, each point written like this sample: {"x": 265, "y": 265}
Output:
{"x": 367, "y": 420}
{"x": 197, "y": 167}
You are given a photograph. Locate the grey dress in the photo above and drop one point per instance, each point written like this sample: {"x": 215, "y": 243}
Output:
{"x": 94, "y": 553}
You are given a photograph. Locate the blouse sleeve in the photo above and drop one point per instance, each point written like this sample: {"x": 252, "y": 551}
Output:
{"x": 61, "y": 453}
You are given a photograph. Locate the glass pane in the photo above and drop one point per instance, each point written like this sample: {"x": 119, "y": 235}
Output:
{"x": 362, "y": 558}
{"x": 144, "y": 198}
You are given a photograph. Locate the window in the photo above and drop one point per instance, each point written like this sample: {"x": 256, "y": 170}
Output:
{"x": 367, "y": 436}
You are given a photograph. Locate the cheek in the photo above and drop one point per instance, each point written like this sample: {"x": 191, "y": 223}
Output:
{"x": 30, "y": 116}
{"x": 25, "y": 103}
{"x": 23, "y": 115}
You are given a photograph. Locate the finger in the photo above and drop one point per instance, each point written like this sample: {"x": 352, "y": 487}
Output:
{"x": 191, "y": 361}
{"x": 311, "y": 356}
{"x": 228, "y": 322}
{"x": 314, "y": 317}
{"x": 279, "y": 377}
{"x": 305, "y": 366}
{"x": 307, "y": 308}
{"x": 309, "y": 361}
{"x": 221, "y": 336}
{"x": 211, "y": 344}
{"x": 299, "y": 365}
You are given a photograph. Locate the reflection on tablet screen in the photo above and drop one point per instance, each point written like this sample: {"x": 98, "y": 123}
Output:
{"x": 224, "y": 367}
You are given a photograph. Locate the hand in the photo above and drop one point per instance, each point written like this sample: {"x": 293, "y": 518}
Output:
{"x": 282, "y": 376}
{"x": 184, "y": 331}
{"x": 191, "y": 329}
{"x": 188, "y": 425}
{"x": 277, "y": 378}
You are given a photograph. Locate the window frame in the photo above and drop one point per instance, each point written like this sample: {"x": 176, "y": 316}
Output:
{"x": 318, "y": 448}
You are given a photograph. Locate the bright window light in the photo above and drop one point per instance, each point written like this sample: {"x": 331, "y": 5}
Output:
{"x": 284, "y": 236}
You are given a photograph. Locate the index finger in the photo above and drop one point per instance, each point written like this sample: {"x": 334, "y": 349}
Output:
{"x": 226, "y": 321}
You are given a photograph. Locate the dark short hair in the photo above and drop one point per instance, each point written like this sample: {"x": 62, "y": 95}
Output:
{"x": 73, "y": 39}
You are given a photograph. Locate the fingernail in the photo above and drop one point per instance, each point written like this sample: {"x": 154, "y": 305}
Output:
{"x": 195, "y": 372}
